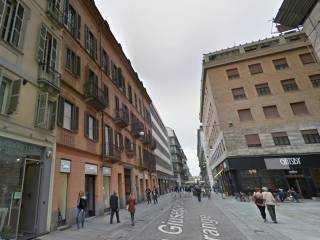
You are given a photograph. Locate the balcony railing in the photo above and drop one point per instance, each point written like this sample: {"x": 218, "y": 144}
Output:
{"x": 112, "y": 152}
{"x": 153, "y": 144}
{"x": 95, "y": 96}
{"x": 54, "y": 11}
{"x": 49, "y": 78}
{"x": 149, "y": 161}
{"x": 137, "y": 129}
{"x": 121, "y": 118}
{"x": 146, "y": 138}
{"x": 130, "y": 149}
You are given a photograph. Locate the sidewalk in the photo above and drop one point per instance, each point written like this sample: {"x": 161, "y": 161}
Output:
{"x": 296, "y": 221}
{"x": 99, "y": 228}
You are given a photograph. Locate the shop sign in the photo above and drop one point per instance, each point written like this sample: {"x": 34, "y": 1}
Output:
{"x": 13, "y": 147}
{"x": 65, "y": 166}
{"x": 282, "y": 163}
{"x": 91, "y": 169}
{"x": 17, "y": 195}
{"x": 106, "y": 171}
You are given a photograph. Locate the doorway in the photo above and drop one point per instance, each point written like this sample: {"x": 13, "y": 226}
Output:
{"x": 90, "y": 194}
{"x": 127, "y": 183}
{"x": 62, "y": 205}
{"x": 141, "y": 190}
{"x": 120, "y": 191}
{"x": 300, "y": 186}
{"x": 106, "y": 193}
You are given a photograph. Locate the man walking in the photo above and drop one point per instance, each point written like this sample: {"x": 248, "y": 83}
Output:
{"x": 259, "y": 201}
{"x": 114, "y": 206}
{"x": 270, "y": 203}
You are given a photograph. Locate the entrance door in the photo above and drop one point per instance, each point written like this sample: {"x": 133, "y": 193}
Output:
{"x": 127, "y": 182}
{"x": 120, "y": 191}
{"x": 90, "y": 194}
{"x": 62, "y": 205}
{"x": 30, "y": 196}
{"x": 106, "y": 193}
{"x": 141, "y": 190}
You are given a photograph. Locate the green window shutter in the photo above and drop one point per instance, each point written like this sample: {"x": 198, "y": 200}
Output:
{"x": 53, "y": 116}
{"x": 2, "y": 7}
{"x": 86, "y": 124}
{"x": 75, "y": 119}
{"x": 17, "y": 25}
{"x": 96, "y": 129}
{"x": 78, "y": 66}
{"x": 78, "y": 26}
{"x": 14, "y": 96}
{"x": 42, "y": 44}
{"x": 42, "y": 114}
{"x": 61, "y": 101}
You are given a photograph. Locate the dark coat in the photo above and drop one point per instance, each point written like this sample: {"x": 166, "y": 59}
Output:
{"x": 114, "y": 202}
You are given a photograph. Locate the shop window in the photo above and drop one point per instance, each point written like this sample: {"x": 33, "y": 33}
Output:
{"x": 233, "y": 73}
{"x": 315, "y": 80}
{"x": 307, "y": 58}
{"x": 299, "y": 108}
{"x": 238, "y": 93}
{"x": 68, "y": 115}
{"x": 280, "y": 138}
{"x": 253, "y": 140}
{"x": 271, "y": 111}
{"x": 280, "y": 64}
{"x": 289, "y": 85}
{"x": 91, "y": 127}
{"x": 255, "y": 68}
{"x": 311, "y": 136}
{"x": 263, "y": 89}
{"x": 245, "y": 115}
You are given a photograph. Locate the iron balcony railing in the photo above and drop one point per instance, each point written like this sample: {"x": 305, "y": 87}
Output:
{"x": 121, "y": 117}
{"x": 54, "y": 10}
{"x": 137, "y": 129}
{"x": 146, "y": 138}
{"x": 149, "y": 161}
{"x": 95, "y": 96}
{"x": 153, "y": 144}
{"x": 112, "y": 152}
{"x": 48, "y": 77}
{"x": 130, "y": 149}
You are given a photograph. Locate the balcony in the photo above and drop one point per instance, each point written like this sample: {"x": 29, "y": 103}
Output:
{"x": 149, "y": 161}
{"x": 121, "y": 118}
{"x": 137, "y": 129}
{"x": 112, "y": 152}
{"x": 146, "y": 138}
{"x": 153, "y": 144}
{"x": 130, "y": 150}
{"x": 49, "y": 79}
{"x": 55, "y": 12}
{"x": 95, "y": 96}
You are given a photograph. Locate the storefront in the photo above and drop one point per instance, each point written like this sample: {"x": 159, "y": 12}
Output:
{"x": 244, "y": 174}
{"x": 24, "y": 184}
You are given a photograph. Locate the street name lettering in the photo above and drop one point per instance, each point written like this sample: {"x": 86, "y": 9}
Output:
{"x": 209, "y": 230}
{"x": 174, "y": 225}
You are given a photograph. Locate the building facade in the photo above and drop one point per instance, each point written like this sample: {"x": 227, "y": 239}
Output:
{"x": 161, "y": 153}
{"x": 103, "y": 118}
{"x": 261, "y": 115}
{"x": 30, "y": 46}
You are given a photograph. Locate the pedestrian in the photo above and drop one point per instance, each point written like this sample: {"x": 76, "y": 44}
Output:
{"x": 270, "y": 202}
{"x": 198, "y": 193}
{"x": 81, "y": 207}
{"x": 257, "y": 198}
{"x": 294, "y": 194}
{"x": 155, "y": 195}
{"x": 132, "y": 207}
{"x": 114, "y": 206}
{"x": 281, "y": 195}
{"x": 148, "y": 193}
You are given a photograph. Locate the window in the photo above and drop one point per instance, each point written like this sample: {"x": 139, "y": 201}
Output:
{"x": 280, "y": 64}
{"x": 280, "y": 138}
{"x": 118, "y": 141}
{"x": 9, "y": 94}
{"x": 68, "y": 115}
{"x": 90, "y": 43}
{"x": 255, "y": 68}
{"x": 130, "y": 93}
{"x": 233, "y": 73}
{"x": 73, "y": 62}
{"x": 91, "y": 127}
{"x": 289, "y": 85}
{"x": 270, "y": 112}
{"x": 105, "y": 62}
{"x": 135, "y": 100}
{"x": 299, "y": 108}
{"x": 46, "y": 112}
{"x": 310, "y": 136}
{"x": 238, "y": 93}
{"x": 140, "y": 105}
{"x": 245, "y": 115}
{"x": 307, "y": 58}
{"x": 315, "y": 80}
{"x": 106, "y": 93}
{"x": 253, "y": 140}
{"x": 108, "y": 140}
{"x": 117, "y": 103}
{"x": 117, "y": 76}
{"x": 263, "y": 89}
{"x": 12, "y": 17}
{"x": 73, "y": 22}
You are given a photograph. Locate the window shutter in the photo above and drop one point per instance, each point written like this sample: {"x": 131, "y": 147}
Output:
{"x": 106, "y": 93}
{"x": 42, "y": 113}
{"x": 86, "y": 124}
{"x": 111, "y": 135}
{"x": 53, "y": 116}
{"x": 17, "y": 25}
{"x": 96, "y": 129}
{"x": 121, "y": 141}
{"x": 271, "y": 111}
{"x": 86, "y": 35}
{"x": 53, "y": 54}
{"x": 78, "y": 66}
{"x": 78, "y": 27}
{"x": 75, "y": 119}
{"x": 66, "y": 11}
{"x": 299, "y": 108}
{"x": 60, "y": 111}
{"x": 2, "y": 7}
{"x": 307, "y": 58}
{"x": 245, "y": 115}
{"x": 14, "y": 96}
{"x": 255, "y": 68}
{"x": 42, "y": 44}
{"x": 253, "y": 140}
{"x": 94, "y": 48}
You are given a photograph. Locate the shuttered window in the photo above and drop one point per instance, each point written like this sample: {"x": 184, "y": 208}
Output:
{"x": 245, "y": 115}
{"x": 118, "y": 140}
{"x": 280, "y": 64}
{"x": 255, "y": 68}
{"x": 105, "y": 62}
{"x": 91, "y": 127}
{"x": 315, "y": 80}
{"x": 108, "y": 140}
{"x": 289, "y": 85}
{"x": 73, "y": 62}
{"x": 280, "y": 138}
{"x": 263, "y": 89}
{"x": 253, "y": 140}
{"x": 311, "y": 136}
{"x": 68, "y": 115}
{"x": 73, "y": 22}
{"x": 299, "y": 108}
{"x": 46, "y": 112}
{"x": 271, "y": 111}
{"x": 129, "y": 93}
{"x": 13, "y": 99}
{"x": 90, "y": 43}
{"x": 307, "y": 58}
{"x": 232, "y": 73}
{"x": 4, "y": 92}
{"x": 238, "y": 93}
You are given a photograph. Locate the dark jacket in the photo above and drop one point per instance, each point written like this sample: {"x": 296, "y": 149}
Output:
{"x": 114, "y": 202}
{"x": 82, "y": 204}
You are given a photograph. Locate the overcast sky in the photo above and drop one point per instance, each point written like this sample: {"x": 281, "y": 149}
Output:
{"x": 165, "y": 41}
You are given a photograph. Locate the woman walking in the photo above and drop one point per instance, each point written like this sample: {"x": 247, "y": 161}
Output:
{"x": 132, "y": 207}
{"x": 81, "y": 207}
{"x": 257, "y": 198}
{"x": 270, "y": 203}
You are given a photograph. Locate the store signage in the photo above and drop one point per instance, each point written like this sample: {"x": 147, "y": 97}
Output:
{"x": 65, "y": 166}
{"x": 282, "y": 163}
{"x": 290, "y": 161}
{"x": 106, "y": 171}
{"x": 91, "y": 169}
